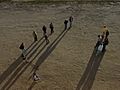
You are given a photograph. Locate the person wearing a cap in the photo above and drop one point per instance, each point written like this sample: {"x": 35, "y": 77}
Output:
{"x": 105, "y": 31}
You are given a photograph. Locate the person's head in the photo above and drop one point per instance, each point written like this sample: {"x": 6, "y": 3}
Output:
{"x": 104, "y": 26}
{"x": 98, "y": 35}
{"x": 44, "y": 26}
{"x": 33, "y": 31}
{"x": 34, "y": 73}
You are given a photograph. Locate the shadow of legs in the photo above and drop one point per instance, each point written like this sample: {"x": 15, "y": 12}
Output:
{"x": 14, "y": 65}
{"x": 11, "y": 81}
{"x": 49, "y": 49}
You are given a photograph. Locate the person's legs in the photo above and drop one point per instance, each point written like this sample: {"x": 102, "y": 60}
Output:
{"x": 36, "y": 38}
{"x": 52, "y": 30}
{"x": 97, "y": 44}
{"x": 70, "y": 24}
{"x": 23, "y": 54}
{"x": 104, "y": 47}
{"x": 65, "y": 26}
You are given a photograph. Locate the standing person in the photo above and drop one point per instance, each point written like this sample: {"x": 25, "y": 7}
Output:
{"x": 105, "y": 31}
{"x": 106, "y": 41}
{"x": 23, "y": 51}
{"x": 51, "y": 27}
{"x": 35, "y": 77}
{"x": 99, "y": 41}
{"x": 65, "y": 23}
{"x": 46, "y": 39}
{"x": 44, "y": 29}
{"x": 35, "y": 36}
{"x": 70, "y": 20}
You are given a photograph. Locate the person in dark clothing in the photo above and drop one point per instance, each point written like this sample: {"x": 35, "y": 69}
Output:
{"x": 46, "y": 39}
{"x": 106, "y": 41}
{"x": 70, "y": 20}
{"x": 44, "y": 30}
{"x": 51, "y": 27}
{"x": 23, "y": 51}
{"x": 35, "y": 36}
{"x": 65, "y": 23}
{"x": 107, "y": 33}
{"x": 100, "y": 38}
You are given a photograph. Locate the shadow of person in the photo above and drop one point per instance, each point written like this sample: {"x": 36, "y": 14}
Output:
{"x": 16, "y": 63}
{"x": 20, "y": 70}
{"x": 16, "y": 66}
{"x": 49, "y": 49}
{"x": 89, "y": 74}
{"x": 89, "y": 82}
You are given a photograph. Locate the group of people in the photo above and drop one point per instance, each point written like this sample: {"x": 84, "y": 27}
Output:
{"x": 100, "y": 45}
{"x": 70, "y": 20}
{"x": 44, "y": 29}
{"x": 35, "y": 37}
{"x": 45, "y": 35}
{"x": 102, "y": 39}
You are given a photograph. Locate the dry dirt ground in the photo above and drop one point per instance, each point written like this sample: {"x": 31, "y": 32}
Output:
{"x": 66, "y": 63}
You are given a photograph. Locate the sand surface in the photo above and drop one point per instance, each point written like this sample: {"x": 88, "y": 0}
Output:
{"x": 63, "y": 63}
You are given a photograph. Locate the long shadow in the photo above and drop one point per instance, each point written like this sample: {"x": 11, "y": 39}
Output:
{"x": 89, "y": 82}
{"x": 10, "y": 69}
{"x": 33, "y": 52}
{"x": 43, "y": 54}
{"x": 36, "y": 43}
{"x": 86, "y": 80}
{"x": 84, "y": 76}
{"x": 18, "y": 73}
{"x": 14, "y": 65}
{"x": 49, "y": 49}
{"x": 32, "y": 85}
{"x": 13, "y": 76}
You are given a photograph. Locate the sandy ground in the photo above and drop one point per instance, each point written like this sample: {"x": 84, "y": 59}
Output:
{"x": 66, "y": 63}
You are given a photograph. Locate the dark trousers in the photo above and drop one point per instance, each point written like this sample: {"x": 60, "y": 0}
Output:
{"x": 65, "y": 26}
{"x": 35, "y": 39}
{"x": 70, "y": 24}
{"x": 104, "y": 47}
{"x": 97, "y": 44}
{"x": 52, "y": 30}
